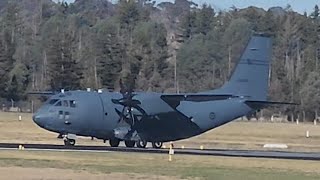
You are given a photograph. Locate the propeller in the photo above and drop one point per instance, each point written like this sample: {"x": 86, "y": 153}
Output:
{"x": 128, "y": 104}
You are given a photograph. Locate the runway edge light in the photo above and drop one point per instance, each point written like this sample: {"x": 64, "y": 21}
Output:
{"x": 21, "y": 147}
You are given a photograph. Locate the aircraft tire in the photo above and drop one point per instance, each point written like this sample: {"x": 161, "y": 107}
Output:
{"x": 114, "y": 142}
{"x": 69, "y": 142}
{"x": 141, "y": 144}
{"x": 129, "y": 143}
{"x": 157, "y": 145}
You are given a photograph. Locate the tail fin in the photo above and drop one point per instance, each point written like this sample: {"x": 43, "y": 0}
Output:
{"x": 250, "y": 77}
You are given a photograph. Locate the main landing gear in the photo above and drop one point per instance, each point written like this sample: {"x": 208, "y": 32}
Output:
{"x": 114, "y": 142}
{"x": 157, "y": 145}
{"x": 141, "y": 144}
{"x": 130, "y": 144}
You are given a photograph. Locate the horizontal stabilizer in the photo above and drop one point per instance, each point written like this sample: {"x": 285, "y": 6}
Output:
{"x": 174, "y": 100}
{"x": 263, "y": 104}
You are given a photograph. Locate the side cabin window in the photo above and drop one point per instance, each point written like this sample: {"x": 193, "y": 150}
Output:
{"x": 72, "y": 103}
{"x": 66, "y": 115}
{"x": 60, "y": 114}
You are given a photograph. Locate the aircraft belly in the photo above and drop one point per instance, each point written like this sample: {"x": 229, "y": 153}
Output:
{"x": 168, "y": 126}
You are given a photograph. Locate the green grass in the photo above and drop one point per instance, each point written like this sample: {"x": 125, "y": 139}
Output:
{"x": 190, "y": 167}
{"x": 237, "y": 135}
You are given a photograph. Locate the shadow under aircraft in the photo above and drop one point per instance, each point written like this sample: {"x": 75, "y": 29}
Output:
{"x": 139, "y": 118}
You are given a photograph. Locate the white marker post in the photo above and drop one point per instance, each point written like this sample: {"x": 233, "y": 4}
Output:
{"x": 171, "y": 151}
{"x": 307, "y": 134}
{"x": 20, "y": 117}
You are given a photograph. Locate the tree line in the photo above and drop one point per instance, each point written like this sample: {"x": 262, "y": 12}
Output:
{"x": 168, "y": 47}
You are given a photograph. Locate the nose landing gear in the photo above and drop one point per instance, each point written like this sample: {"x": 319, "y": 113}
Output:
{"x": 69, "y": 139}
{"x": 69, "y": 142}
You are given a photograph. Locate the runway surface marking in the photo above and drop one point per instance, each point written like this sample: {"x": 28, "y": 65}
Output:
{"x": 208, "y": 152}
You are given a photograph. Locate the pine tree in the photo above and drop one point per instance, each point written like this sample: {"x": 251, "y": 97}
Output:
{"x": 108, "y": 53}
{"x": 5, "y": 67}
{"x": 315, "y": 14}
{"x": 65, "y": 72}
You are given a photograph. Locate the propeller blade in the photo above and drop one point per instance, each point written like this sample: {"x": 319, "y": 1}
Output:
{"x": 128, "y": 103}
{"x": 115, "y": 101}
{"x": 143, "y": 112}
{"x": 121, "y": 114}
{"x": 118, "y": 112}
{"x": 122, "y": 88}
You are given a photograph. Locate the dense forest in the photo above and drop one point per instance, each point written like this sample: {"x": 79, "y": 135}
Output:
{"x": 165, "y": 47}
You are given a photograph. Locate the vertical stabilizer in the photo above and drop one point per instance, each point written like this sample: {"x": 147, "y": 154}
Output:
{"x": 250, "y": 77}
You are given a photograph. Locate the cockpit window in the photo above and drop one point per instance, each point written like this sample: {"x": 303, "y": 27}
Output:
{"x": 72, "y": 103}
{"x": 65, "y": 103}
{"x": 52, "y": 101}
{"x": 58, "y": 103}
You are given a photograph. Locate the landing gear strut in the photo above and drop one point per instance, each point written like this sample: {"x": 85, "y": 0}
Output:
{"x": 69, "y": 139}
{"x": 141, "y": 144}
{"x": 69, "y": 142}
{"x": 157, "y": 145}
{"x": 114, "y": 142}
{"x": 129, "y": 143}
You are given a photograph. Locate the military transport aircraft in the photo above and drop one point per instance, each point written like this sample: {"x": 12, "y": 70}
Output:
{"x": 138, "y": 118}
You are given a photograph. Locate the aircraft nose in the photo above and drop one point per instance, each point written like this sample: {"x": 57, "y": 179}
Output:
{"x": 38, "y": 120}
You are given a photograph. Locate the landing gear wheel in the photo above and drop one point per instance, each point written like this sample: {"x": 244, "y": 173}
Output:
{"x": 69, "y": 142}
{"x": 114, "y": 142}
{"x": 141, "y": 144}
{"x": 157, "y": 145}
{"x": 129, "y": 143}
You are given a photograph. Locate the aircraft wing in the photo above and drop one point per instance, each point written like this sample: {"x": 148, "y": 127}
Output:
{"x": 42, "y": 93}
{"x": 175, "y": 99}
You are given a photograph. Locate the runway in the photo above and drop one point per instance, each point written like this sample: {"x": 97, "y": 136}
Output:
{"x": 208, "y": 152}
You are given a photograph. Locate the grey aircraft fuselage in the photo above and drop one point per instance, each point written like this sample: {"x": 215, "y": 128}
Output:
{"x": 158, "y": 117}
{"x": 92, "y": 114}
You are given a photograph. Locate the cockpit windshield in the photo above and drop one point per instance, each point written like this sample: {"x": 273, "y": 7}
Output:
{"x": 58, "y": 104}
{"x": 52, "y": 101}
{"x": 65, "y": 103}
